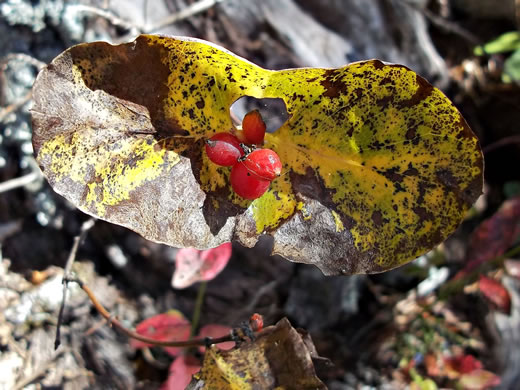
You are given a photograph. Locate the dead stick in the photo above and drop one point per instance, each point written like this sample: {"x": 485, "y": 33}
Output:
{"x": 19, "y": 181}
{"x": 134, "y": 335}
{"x": 85, "y": 227}
{"x": 506, "y": 141}
{"x": 38, "y": 372}
{"x": 15, "y": 106}
{"x": 191, "y": 10}
{"x": 4, "y": 62}
{"x": 107, "y": 15}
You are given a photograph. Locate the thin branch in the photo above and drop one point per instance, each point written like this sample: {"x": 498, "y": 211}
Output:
{"x": 21, "y": 57}
{"x": 109, "y": 16}
{"x": 444, "y": 24}
{"x": 134, "y": 335}
{"x": 85, "y": 227}
{"x": 15, "y": 106}
{"x": 251, "y": 306}
{"x": 19, "y": 181}
{"x": 191, "y": 10}
{"x": 38, "y": 372}
{"x": 513, "y": 139}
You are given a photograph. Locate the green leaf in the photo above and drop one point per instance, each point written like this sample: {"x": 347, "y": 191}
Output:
{"x": 506, "y": 42}
{"x": 379, "y": 166}
{"x": 512, "y": 68}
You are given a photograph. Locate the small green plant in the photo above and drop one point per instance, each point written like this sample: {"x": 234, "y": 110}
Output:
{"x": 506, "y": 43}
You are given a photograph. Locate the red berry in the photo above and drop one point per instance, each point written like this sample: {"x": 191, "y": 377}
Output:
{"x": 256, "y": 322}
{"x": 245, "y": 184}
{"x": 253, "y": 127}
{"x": 224, "y": 149}
{"x": 264, "y": 163}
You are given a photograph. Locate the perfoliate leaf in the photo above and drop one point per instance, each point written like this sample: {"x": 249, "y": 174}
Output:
{"x": 379, "y": 166}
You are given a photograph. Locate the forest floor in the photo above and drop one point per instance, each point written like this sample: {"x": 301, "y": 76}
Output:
{"x": 419, "y": 326}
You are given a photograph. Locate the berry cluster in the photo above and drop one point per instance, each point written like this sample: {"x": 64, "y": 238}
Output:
{"x": 253, "y": 168}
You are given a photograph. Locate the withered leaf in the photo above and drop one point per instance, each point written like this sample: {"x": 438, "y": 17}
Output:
{"x": 279, "y": 358}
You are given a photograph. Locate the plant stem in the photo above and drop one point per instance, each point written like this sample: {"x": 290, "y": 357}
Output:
{"x": 132, "y": 334}
{"x": 198, "y": 308}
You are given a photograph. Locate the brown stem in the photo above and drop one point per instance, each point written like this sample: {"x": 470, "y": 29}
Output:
{"x": 134, "y": 335}
{"x": 506, "y": 141}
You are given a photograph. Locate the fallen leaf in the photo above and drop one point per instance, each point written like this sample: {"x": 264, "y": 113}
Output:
{"x": 462, "y": 364}
{"x": 479, "y": 380}
{"x": 180, "y": 372}
{"x": 194, "y": 265}
{"x": 495, "y": 235}
{"x": 495, "y": 292}
{"x": 378, "y": 165}
{"x": 277, "y": 358}
{"x": 169, "y": 326}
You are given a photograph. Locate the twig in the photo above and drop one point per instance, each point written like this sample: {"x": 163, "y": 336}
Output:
{"x": 251, "y": 306}
{"x": 15, "y": 106}
{"x": 109, "y": 16}
{"x": 19, "y": 181}
{"x": 191, "y": 10}
{"x": 39, "y": 371}
{"x": 513, "y": 139}
{"x": 444, "y": 24}
{"x": 130, "y": 333}
{"x": 85, "y": 227}
{"x": 21, "y": 57}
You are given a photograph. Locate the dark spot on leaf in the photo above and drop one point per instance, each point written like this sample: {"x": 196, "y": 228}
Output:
{"x": 392, "y": 174}
{"x": 333, "y": 83}
{"x": 422, "y": 213}
{"x": 423, "y": 91}
{"x": 377, "y": 218}
{"x": 377, "y": 64}
{"x": 411, "y": 171}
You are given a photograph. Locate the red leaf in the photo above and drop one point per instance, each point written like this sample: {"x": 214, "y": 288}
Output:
{"x": 479, "y": 380}
{"x": 169, "y": 326}
{"x": 465, "y": 364}
{"x": 193, "y": 265}
{"x": 180, "y": 372}
{"x": 455, "y": 367}
{"x": 214, "y": 331}
{"x": 496, "y": 293}
{"x": 495, "y": 235}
